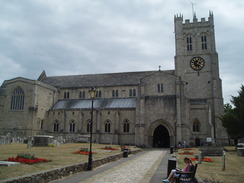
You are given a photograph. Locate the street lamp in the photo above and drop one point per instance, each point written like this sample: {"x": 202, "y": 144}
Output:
{"x": 92, "y": 94}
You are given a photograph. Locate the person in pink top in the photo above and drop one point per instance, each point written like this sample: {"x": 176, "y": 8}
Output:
{"x": 174, "y": 174}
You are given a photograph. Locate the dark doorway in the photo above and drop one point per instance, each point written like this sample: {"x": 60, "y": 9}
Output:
{"x": 197, "y": 142}
{"x": 161, "y": 137}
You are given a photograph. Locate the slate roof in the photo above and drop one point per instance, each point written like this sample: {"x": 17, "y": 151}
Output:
{"x": 103, "y": 80}
{"x": 105, "y": 103}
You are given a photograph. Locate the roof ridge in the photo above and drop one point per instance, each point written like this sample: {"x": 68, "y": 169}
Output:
{"x": 115, "y": 73}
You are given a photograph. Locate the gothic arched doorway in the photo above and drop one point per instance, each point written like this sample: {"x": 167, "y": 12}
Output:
{"x": 161, "y": 137}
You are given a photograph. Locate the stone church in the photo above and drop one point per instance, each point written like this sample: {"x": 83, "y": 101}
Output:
{"x": 148, "y": 109}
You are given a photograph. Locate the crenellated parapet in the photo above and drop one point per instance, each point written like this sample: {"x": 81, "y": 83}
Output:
{"x": 194, "y": 23}
{"x": 178, "y": 17}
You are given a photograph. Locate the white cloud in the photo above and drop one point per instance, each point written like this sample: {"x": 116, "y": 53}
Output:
{"x": 87, "y": 37}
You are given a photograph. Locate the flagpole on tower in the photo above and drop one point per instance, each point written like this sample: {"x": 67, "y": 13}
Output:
{"x": 192, "y": 8}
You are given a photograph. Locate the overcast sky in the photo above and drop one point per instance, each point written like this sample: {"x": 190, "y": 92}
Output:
{"x": 67, "y": 37}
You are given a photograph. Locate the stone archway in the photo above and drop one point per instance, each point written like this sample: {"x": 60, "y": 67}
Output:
{"x": 161, "y": 137}
{"x": 160, "y": 134}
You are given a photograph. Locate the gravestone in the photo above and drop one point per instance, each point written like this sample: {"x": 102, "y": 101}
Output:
{"x": 42, "y": 140}
{"x": 211, "y": 150}
{"x": 82, "y": 139}
{"x": 8, "y": 163}
{"x": 240, "y": 151}
{"x": 29, "y": 142}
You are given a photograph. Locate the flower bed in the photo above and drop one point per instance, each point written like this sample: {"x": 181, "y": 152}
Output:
{"x": 27, "y": 159}
{"x": 109, "y": 148}
{"x": 83, "y": 151}
{"x": 204, "y": 159}
{"x": 186, "y": 152}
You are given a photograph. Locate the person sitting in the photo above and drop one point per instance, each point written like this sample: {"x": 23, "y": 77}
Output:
{"x": 174, "y": 173}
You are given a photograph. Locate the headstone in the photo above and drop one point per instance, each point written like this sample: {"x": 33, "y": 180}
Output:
{"x": 8, "y": 163}
{"x": 211, "y": 150}
{"x": 42, "y": 140}
{"x": 2, "y": 139}
{"x": 240, "y": 151}
{"x": 55, "y": 142}
{"x": 29, "y": 143}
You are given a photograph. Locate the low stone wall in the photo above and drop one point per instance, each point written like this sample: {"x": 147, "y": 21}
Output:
{"x": 58, "y": 173}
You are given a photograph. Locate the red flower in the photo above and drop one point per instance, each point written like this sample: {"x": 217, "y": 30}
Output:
{"x": 207, "y": 159}
{"x": 204, "y": 159}
{"x": 186, "y": 153}
{"x": 109, "y": 148}
{"x": 27, "y": 161}
{"x": 82, "y": 152}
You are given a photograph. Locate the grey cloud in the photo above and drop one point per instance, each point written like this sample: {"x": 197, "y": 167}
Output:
{"x": 85, "y": 37}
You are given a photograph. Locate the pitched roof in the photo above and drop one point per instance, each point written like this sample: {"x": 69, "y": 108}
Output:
{"x": 111, "y": 79}
{"x": 105, "y": 103}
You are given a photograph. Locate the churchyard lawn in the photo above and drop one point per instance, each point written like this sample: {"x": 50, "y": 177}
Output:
{"x": 63, "y": 155}
{"x": 234, "y": 166}
{"x": 60, "y": 156}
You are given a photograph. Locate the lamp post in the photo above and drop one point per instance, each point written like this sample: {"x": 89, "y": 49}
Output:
{"x": 92, "y": 94}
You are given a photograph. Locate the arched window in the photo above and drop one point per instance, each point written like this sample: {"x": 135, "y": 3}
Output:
{"x": 126, "y": 126}
{"x": 196, "y": 126}
{"x": 88, "y": 126}
{"x": 82, "y": 94}
{"x": 98, "y": 94}
{"x": 160, "y": 88}
{"x": 132, "y": 92}
{"x": 115, "y": 93}
{"x": 107, "y": 127}
{"x": 18, "y": 99}
{"x": 72, "y": 127}
{"x": 204, "y": 42}
{"x": 66, "y": 94}
{"x": 56, "y": 126}
{"x": 42, "y": 123}
{"x": 189, "y": 43}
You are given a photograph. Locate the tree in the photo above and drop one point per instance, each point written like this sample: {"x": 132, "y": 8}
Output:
{"x": 233, "y": 117}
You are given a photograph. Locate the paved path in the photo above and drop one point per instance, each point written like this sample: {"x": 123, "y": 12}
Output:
{"x": 143, "y": 167}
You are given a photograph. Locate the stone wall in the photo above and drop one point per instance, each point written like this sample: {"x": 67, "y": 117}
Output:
{"x": 58, "y": 173}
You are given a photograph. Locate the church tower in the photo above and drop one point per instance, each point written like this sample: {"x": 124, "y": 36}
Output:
{"x": 196, "y": 65}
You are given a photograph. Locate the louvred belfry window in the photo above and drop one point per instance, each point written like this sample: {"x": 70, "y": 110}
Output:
{"x": 189, "y": 43}
{"x": 204, "y": 42}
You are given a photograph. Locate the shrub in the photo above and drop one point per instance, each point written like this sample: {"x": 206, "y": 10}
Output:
{"x": 26, "y": 156}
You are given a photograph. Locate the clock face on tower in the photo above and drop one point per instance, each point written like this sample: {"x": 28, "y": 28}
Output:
{"x": 197, "y": 63}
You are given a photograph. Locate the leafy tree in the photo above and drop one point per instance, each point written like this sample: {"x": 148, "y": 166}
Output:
{"x": 233, "y": 117}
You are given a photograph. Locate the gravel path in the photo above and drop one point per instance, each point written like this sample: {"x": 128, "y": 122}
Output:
{"x": 139, "y": 169}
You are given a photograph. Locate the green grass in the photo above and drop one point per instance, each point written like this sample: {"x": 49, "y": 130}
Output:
{"x": 213, "y": 170}
{"x": 61, "y": 155}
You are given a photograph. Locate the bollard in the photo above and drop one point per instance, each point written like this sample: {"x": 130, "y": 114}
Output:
{"x": 171, "y": 150}
{"x": 125, "y": 152}
{"x": 223, "y": 161}
{"x": 200, "y": 157}
{"x": 171, "y": 165}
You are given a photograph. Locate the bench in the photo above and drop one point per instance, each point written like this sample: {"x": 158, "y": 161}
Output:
{"x": 190, "y": 178}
